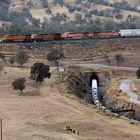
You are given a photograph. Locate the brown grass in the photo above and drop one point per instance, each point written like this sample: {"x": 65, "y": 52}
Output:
{"x": 43, "y": 113}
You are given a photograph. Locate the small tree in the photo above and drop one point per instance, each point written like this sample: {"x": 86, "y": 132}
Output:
{"x": 19, "y": 84}
{"x": 55, "y": 55}
{"x": 119, "y": 59}
{"x": 40, "y": 71}
{"x": 138, "y": 73}
{"x": 21, "y": 58}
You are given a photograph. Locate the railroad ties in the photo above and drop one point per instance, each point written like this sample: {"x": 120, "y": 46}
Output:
{"x": 122, "y": 110}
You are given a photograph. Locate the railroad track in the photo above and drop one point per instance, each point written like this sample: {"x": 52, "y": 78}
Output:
{"x": 61, "y": 40}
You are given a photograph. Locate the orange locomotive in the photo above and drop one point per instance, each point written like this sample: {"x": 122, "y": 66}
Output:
{"x": 105, "y": 34}
{"x": 31, "y": 38}
{"x": 16, "y": 38}
{"x": 58, "y": 36}
{"x": 108, "y": 34}
{"x": 45, "y": 37}
{"x": 68, "y": 35}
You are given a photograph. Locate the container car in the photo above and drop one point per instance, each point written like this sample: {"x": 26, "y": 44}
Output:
{"x": 130, "y": 33}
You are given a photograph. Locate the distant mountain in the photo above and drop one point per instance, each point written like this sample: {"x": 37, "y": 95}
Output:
{"x": 34, "y": 16}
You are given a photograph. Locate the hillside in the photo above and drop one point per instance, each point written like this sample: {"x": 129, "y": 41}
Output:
{"x": 68, "y": 15}
{"x": 38, "y": 8}
{"x": 43, "y": 112}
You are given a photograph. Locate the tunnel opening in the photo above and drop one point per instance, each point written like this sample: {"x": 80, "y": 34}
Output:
{"x": 94, "y": 76}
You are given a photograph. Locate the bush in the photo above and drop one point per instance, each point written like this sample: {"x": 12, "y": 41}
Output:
{"x": 19, "y": 84}
{"x": 119, "y": 16}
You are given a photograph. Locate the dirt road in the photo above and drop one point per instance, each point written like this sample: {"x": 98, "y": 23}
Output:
{"x": 101, "y": 66}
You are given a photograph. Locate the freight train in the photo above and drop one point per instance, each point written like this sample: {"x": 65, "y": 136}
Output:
{"x": 71, "y": 36}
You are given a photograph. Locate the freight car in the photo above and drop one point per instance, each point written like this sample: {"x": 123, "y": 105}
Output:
{"x": 129, "y": 32}
{"x": 16, "y": 38}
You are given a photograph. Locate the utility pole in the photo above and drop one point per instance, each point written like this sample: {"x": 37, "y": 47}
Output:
{"x": 1, "y": 128}
{"x": 61, "y": 70}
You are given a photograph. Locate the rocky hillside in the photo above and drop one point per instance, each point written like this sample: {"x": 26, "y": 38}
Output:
{"x": 105, "y": 8}
{"x": 68, "y": 15}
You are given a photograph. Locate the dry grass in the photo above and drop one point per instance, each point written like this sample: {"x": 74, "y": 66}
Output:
{"x": 42, "y": 113}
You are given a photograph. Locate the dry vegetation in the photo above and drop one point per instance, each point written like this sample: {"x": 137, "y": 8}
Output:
{"x": 37, "y": 10}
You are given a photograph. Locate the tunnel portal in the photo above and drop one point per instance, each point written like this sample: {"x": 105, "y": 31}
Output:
{"x": 94, "y": 76}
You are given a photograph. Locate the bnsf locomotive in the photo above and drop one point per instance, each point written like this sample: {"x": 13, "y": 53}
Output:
{"x": 70, "y": 36}
{"x": 30, "y": 38}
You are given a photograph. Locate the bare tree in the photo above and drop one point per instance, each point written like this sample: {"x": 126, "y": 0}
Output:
{"x": 107, "y": 59}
